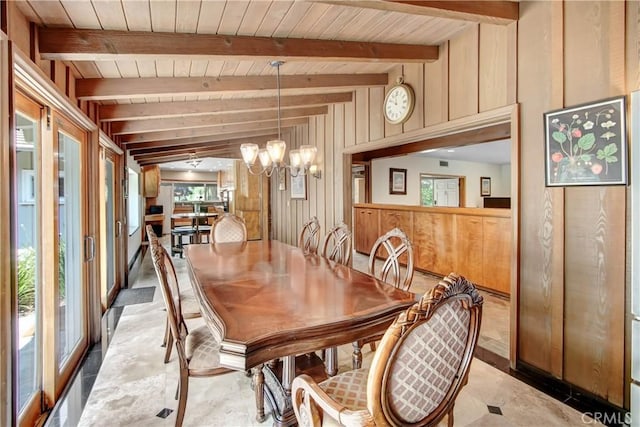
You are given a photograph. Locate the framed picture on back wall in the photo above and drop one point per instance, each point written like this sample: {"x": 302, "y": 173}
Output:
{"x": 397, "y": 181}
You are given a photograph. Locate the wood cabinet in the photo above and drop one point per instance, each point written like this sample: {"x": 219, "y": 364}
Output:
{"x": 365, "y": 229}
{"x": 473, "y": 242}
{"x": 496, "y": 253}
{"x": 151, "y": 178}
{"x": 434, "y": 243}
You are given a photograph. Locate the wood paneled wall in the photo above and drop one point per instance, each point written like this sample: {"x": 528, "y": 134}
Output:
{"x": 572, "y": 282}
{"x": 457, "y": 85}
{"x": 571, "y": 278}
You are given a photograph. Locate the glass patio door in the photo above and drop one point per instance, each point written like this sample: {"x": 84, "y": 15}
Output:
{"x": 28, "y": 257}
{"x": 73, "y": 251}
{"x": 111, "y": 225}
{"x": 49, "y": 212}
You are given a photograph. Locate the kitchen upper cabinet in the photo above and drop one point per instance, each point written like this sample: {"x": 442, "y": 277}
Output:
{"x": 151, "y": 177}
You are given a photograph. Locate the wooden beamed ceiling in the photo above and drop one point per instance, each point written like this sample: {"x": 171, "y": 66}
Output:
{"x": 167, "y": 92}
{"x": 77, "y": 45}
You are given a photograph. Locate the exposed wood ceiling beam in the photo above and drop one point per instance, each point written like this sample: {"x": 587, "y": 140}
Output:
{"x": 229, "y": 153}
{"x": 126, "y": 88}
{"x": 168, "y": 109}
{"x": 211, "y": 130}
{"x": 150, "y": 125}
{"x": 67, "y": 44}
{"x": 203, "y": 144}
{"x": 486, "y": 11}
{"x": 195, "y": 140}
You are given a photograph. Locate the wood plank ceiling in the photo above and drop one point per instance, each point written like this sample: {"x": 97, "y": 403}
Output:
{"x": 177, "y": 77}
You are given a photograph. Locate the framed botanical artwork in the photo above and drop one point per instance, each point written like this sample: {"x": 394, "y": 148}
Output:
{"x": 586, "y": 144}
{"x": 299, "y": 187}
{"x": 485, "y": 186}
{"x": 397, "y": 181}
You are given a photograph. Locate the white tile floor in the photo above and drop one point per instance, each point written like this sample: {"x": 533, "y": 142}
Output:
{"x": 134, "y": 384}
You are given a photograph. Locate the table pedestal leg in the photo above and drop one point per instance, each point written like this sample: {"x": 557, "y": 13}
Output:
{"x": 356, "y": 358}
{"x": 258, "y": 389}
{"x": 331, "y": 360}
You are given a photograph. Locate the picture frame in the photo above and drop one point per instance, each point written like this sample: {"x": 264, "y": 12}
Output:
{"x": 587, "y": 144}
{"x": 397, "y": 181}
{"x": 485, "y": 186}
{"x": 299, "y": 187}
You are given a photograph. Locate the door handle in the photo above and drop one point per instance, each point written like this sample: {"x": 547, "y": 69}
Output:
{"x": 118, "y": 228}
{"x": 89, "y": 248}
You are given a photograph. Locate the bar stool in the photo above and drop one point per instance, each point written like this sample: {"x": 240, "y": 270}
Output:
{"x": 177, "y": 233}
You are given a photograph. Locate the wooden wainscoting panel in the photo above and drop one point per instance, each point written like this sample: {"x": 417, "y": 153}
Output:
{"x": 469, "y": 237}
{"x": 434, "y": 236}
{"x": 496, "y": 254}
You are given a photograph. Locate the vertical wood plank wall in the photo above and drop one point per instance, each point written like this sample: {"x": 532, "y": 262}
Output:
{"x": 572, "y": 240}
{"x": 572, "y": 283}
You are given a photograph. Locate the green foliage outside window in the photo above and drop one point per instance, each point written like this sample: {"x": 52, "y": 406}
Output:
{"x": 27, "y": 268}
{"x": 426, "y": 191}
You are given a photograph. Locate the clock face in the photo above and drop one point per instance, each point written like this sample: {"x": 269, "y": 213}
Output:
{"x": 398, "y": 104}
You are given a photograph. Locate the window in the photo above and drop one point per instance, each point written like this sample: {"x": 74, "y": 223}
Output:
{"x": 195, "y": 192}
{"x": 133, "y": 209}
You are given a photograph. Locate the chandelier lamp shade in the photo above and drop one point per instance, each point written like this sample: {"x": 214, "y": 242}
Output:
{"x": 271, "y": 158}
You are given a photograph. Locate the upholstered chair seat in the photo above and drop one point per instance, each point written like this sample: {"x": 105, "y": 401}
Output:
{"x": 202, "y": 349}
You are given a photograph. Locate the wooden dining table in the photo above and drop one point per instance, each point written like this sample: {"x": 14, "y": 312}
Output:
{"x": 268, "y": 301}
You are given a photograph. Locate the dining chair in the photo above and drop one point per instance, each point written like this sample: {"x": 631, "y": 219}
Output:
{"x": 309, "y": 237}
{"x": 337, "y": 244}
{"x": 189, "y": 305}
{"x": 421, "y": 365}
{"x": 228, "y": 228}
{"x": 198, "y": 350}
{"x": 385, "y": 264}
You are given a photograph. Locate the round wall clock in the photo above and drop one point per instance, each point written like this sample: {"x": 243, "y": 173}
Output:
{"x": 398, "y": 104}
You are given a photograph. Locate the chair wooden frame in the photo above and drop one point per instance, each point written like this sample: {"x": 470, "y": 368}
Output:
{"x": 228, "y": 228}
{"x": 454, "y": 296}
{"x": 170, "y": 292}
{"x": 309, "y": 237}
{"x": 337, "y": 244}
{"x": 192, "y": 313}
{"x": 395, "y": 243}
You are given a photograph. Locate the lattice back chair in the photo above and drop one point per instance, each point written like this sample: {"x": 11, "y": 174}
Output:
{"x": 309, "y": 237}
{"x": 189, "y": 305}
{"x": 197, "y": 349}
{"x": 228, "y": 228}
{"x": 337, "y": 244}
{"x": 390, "y": 247}
{"x": 421, "y": 365}
{"x": 385, "y": 261}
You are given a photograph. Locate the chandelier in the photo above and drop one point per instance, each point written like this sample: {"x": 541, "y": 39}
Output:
{"x": 194, "y": 161}
{"x": 272, "y": 156}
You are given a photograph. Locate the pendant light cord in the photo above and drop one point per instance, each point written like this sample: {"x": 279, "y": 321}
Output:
{"x": 278, "y": 70}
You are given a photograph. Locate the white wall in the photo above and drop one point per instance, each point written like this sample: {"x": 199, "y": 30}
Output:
{"x": 415, "y": 165}
{"x": 135, "y": 240}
